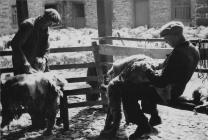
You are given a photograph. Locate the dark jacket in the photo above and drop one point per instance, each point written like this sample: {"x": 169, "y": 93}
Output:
{"x": 29, "y": 43}
{"x": 177, "y": 69}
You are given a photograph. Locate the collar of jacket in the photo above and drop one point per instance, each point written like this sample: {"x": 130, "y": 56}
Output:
{"x": 182, "y": 44}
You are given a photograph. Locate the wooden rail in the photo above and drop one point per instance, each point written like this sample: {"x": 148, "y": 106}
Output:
{"x": 148, "y": 39}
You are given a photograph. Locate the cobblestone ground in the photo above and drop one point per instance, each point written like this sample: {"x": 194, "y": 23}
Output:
{"x": 86, "y": 124}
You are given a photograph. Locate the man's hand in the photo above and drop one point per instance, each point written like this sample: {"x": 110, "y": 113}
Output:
{"x": 8, "y": 44}
{"x": 40, "y": 60}
{"x": 28, "y": 69}
{"x": 40, "y": 63}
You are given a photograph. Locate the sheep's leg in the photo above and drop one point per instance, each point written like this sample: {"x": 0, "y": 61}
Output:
{"x": 38, "y": 121}
{"x": 113, "y": 117}
{"x": 112, "y": 123}
{"x": 114, "y": 112}
{"x": 50, "y": 124}
{"x": 108, "y": 121}
{"x": 51, "y": 117}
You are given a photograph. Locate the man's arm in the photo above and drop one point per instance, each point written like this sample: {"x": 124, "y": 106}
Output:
{"x": 44, "y": 50}
{"x": 172, "y": 71}
{"x": 19, "y": 40}
{"x": 42, "y": 57}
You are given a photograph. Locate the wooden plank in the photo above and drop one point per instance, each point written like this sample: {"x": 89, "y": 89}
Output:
{"x": 201, "y": 70}
{"x": 71, "y": 49}
{"x": 126, "y": 51}
{"x": 104, "y": 15}
{"x": 59, "y": 67}
{"x": 82, "y": 79}
{"x": 22, "y": 11}
{"x": 204, "y": 54}
{"x": 132, "y": 39}
{"x": 83, "y": 104}
{"x": 6, "y": 70}
{"x": 104, "y": 19}
{"x": 70, "y": 66}
{"x": 148, "y": 39}
{"x": 81, "y": 91}
{"x": 56, "y": 50}
{"x": 5, "y": 53}
{"x": 64, "y": 112}
{"x": 97, "y": 59}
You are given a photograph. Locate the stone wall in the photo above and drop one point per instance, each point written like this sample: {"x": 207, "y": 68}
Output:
{"x": 123, "y": 13}
{"x": 160, "y": 12}
{"x": 201, "y": 12}
{"x": 35, "y": 7}
{"x": 6, "y": 25}
{"x": 91, "y": 13}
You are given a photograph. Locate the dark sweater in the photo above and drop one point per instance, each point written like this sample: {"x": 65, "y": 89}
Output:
{"x": 28, "y": 43}
{"x": 178, "y": 68}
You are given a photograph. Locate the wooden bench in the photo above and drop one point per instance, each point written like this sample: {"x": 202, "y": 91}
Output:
{"x": 76, "y": 85}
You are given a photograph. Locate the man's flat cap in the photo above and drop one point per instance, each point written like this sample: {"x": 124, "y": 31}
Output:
{"x": 52, "y": 15}
{"x": 172, "y": 28}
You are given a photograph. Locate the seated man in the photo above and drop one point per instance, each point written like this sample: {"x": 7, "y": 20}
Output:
{"x": 177, "y": 70}
{"x": 178, "y": 67}
{"x": 138, "y": 81}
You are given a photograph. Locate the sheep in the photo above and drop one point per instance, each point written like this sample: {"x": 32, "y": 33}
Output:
{"x": 128, "y": 70}
{"x": 37, "y": 93}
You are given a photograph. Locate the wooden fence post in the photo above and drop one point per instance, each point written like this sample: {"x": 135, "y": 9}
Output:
{"x": 22, "y": 10}
{"x": 64, "y": 112}
{"x": 104, "y": 15}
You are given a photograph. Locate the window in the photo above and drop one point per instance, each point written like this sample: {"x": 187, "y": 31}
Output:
{"x": 78, "y": 15}
{"x": 14, "y": 15}
{"x": 78, "y": 9}
{"x": 53, "y": 6}
{"x": 181, "y": 10}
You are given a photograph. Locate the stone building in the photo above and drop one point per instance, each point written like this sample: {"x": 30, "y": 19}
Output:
{"x": 126, "y": 13}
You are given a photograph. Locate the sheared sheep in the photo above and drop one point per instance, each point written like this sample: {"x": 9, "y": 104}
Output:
{"x": 37, "y": 93}
{"x": 128, "y": 70}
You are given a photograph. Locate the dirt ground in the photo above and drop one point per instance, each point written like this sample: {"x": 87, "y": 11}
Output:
{"x": 85, "y": 123}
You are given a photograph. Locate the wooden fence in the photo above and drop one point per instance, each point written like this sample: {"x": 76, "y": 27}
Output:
{"x": 105, "y": 49}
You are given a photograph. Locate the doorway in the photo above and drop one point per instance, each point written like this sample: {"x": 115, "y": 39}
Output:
{"x": 141, "y": 12}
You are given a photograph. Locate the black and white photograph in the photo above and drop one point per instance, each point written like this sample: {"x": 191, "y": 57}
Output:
{"x": 104, "y": 69}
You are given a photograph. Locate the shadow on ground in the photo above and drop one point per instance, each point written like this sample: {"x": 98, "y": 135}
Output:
{"x": 86, "y": 124}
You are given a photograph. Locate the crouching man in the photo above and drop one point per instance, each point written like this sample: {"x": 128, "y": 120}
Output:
{"x": 36, "y": 93}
